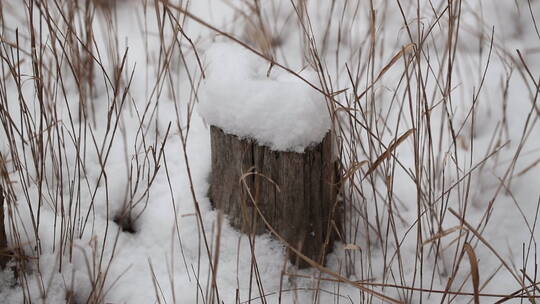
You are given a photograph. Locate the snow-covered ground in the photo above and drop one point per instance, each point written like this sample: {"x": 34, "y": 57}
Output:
{"x": 459, "y": 191}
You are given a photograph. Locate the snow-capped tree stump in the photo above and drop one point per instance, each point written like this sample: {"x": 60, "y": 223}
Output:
{"x": 296, "y": 192}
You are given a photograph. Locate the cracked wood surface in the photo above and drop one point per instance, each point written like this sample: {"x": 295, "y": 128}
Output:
{"x": 296, "y": 192}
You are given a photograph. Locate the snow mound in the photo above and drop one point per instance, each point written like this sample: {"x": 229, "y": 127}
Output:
{"x": 277, "y": 110}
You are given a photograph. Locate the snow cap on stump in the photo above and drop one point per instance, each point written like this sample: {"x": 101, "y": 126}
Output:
{"x": 277, "y": 110}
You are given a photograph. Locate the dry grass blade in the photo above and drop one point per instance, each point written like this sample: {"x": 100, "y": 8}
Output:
{"x": 388, "y": 152}
{"x": 442, "y": 234}
{"x": 474, "y": 271}
{"x": 405, "y": 50}
{"x": 355, "y": 167}
{"x": 251, "y": 172}
{"x": 488, "y": 245}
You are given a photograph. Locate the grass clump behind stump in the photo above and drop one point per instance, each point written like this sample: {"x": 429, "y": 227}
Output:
{"x": 296, "y": 192}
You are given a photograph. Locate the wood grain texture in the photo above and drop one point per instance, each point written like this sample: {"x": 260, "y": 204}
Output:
{"x": 296, "y": 192}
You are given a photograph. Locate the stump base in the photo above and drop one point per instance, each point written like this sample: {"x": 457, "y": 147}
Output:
{"x": 296, "y": 192}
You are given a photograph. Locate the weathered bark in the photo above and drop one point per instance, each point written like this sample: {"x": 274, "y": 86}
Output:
{"x": 4, "y": 257}
{"x": 296, "y": 192}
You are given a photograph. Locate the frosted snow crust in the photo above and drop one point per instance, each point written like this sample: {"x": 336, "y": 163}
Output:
{"x": 279, "y": 111}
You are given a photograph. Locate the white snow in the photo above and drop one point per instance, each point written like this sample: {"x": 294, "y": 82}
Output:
{"x": 166, "y": 260}
{"x": 277, "y": 110}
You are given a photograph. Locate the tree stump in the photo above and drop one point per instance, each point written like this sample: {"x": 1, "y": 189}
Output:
{"x": 295, "y": 192}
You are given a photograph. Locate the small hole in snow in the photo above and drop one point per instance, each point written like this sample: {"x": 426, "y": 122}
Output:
{"x": 125, "y": 223}
{"x": 71, "y": 297}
